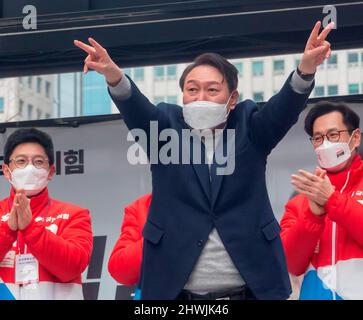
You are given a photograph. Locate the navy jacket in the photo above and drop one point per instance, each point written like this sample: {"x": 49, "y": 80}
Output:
{"x": 187, "y": 203}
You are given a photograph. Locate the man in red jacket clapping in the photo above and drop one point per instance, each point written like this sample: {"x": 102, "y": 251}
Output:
{"x": 322, "y": 227}
{"x": 45, "y": 244}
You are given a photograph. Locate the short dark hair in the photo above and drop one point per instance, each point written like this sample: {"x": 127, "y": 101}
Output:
{"x": 350, "y": 118}
{"x": 25, "y": 136}
{"x": 227, "y": 69}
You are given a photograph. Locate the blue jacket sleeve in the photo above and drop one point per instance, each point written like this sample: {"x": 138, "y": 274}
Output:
{"x": 270, "y": 123}
{"x": 137, "y": 111}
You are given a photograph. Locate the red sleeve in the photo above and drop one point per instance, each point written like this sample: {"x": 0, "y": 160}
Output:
{"x": 347, "y": 212}
{"x": 67, "y": 254}
{"x": 300, "y": 232}
{"x": 7, "y": 238}
{"x": 125, "y": 260}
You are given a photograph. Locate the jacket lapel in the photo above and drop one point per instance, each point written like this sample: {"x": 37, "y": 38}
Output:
{"x": 202, "y": 171}
{"x": 200, "y": 167}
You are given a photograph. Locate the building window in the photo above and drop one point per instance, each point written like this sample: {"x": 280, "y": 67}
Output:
{"x": 279, "y": 67}
{"x": 1, "y": 104}
{"x": 127, "y": 71}
{"x": 322, "y": 65}
{"x": 159, "y": 73}
{"x": 172, "y": 99}
{"x": 171, "y": 72}
{"x": 139, "y": 74}
{"x": 239, "y": 67}
{"x": 352, "y": 59}
{"x": 39, "y": 85}
{"x": 257, "y": 68}
{"x": 39, "y": 114}
{"x": 297, "y": 62}
{"x": 30, "y": 111}
{"x": 332, "y": 90}
{"x": 21, "y": 107}
{"x": 158, "y": 100}
{"x": 258, "y": 96}
{"x": 30, "y": 82}
{"x": 353, "y": 88}
{"x": 47, "y": 89}
{"x": 319, "y": 91}
{"x": 333, "y": 61}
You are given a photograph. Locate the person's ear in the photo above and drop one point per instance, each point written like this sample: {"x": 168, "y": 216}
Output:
{"x": 51, "y": 172}
{"x": 233, "y": 100}
{"x": 357, "y": 138}
{"x": 6, "y": 171}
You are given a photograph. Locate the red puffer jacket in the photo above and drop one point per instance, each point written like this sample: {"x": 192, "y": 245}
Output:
{"x": 59, "y": 237}
{"x": 125, "y": 260}
{"x": 328, "y": 249}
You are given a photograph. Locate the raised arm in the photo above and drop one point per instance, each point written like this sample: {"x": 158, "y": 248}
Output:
{"x": 135, "y": 108}
{"x": 270, "y": 124}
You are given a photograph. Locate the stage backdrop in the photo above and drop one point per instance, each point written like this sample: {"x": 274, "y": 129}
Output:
{"x": 93, "y": 172}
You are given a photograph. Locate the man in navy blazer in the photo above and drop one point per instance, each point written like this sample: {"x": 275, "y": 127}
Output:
{"x": 213, "y": 235}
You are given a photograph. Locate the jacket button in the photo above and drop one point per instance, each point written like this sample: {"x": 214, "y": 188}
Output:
{"x": 200, "y": 243}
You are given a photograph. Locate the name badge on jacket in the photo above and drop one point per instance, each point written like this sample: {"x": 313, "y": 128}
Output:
{"x": 26, "y": 269}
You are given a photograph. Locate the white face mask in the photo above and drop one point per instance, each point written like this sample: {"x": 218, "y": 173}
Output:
{"x": 30, "y": 179}
{"x": 205, "y": 114}
{"x": 332, "y": 154}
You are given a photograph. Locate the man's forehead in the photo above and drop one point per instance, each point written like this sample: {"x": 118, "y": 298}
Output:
{"x": 28, "y": 154}
{"x": 205, "y": 72}
{"x": 29, "y": 148}
{"x": 329, "y": 127}
{"x": 326, "y": 130}
{"x": 331, "y": 118}
{"x": 206, "y": 81}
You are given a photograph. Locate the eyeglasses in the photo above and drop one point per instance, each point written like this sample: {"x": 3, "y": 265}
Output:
{"x": 332, "y": 136}
{"x": 38, "y": 161}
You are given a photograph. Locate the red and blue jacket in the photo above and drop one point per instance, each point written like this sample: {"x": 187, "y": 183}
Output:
{"x": 59, "y": 237}
{"x": 328, "y": 250}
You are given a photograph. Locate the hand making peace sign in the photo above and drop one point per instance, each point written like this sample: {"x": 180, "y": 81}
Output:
{"x": 99, "y": 60}
{"x": 317, "y": 49}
